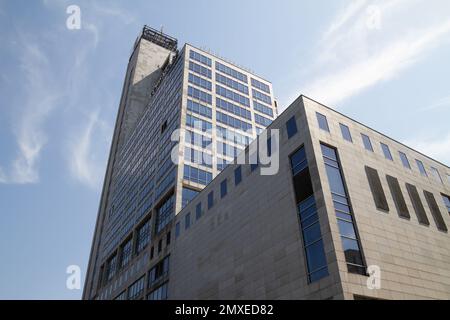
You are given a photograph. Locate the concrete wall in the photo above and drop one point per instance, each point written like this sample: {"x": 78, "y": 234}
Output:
{"x": 248, "y": 246}
{"x": 143, "y": 71}
{"x": 414, "y": 259}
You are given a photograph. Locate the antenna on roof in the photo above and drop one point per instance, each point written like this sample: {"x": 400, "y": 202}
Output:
{"x": 162, "y": 28}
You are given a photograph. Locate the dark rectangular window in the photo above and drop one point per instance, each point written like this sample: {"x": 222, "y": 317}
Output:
{"x": 143, "y": 236}
{"x": 269, "y": 146}
{"x": 316, "y": 262}
{"x": 136, "y": 289}
{"x": 187, "y": 221}
{"x": 168, "y": 238}
{"x": 210, "y": 199}
{"x": 344, "y": 213}
{"x": 177, "y": 230}
{"x": 421, "y": 168}
{"x": 187, "y": 195}
{"x": 165, "y": 213}
{"x": 127, "y": 250}
{"x": 291, "y": 127}
{"x": 160, "y": 293}
{"x": 436, "y": 174}
{"x": 323, "y": 123}
{"x": 198, "y": 211}
{"x": 237, "y": 175}
{"x": 366, "y": 142}
{"x": 417, "y": 204}
{"x": 397, "y": 196}
{"x": 111, "y": 267}
{"x": 405, "y": 160}
{"x": 223, "y": 188}
{"x": 446, "y": 202}
{"x": 158, "y": 272}
{"x": 254, "y": 161}
{"x": 346, "y": 132}
{"x": 386, "y": 151}
{"x": 435, "y": 212}
{"x": 377, "y": 189}
{"x": 159, "y": 245}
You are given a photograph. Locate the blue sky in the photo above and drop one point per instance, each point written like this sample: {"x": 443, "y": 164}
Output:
{"x": 384, "y": 63}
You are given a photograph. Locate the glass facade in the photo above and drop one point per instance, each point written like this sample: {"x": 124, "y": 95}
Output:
{"x": 367, "y": 143}
{"x": 317, "y": 267}
{"x": 346, "y": 132}
{"x": 386, "y": 151}
{"x": 346, "y": 222}
{"x": 323, "y": 122}
{"x": 446, "y": 202}
{"x": 436, "y": 174}
{"x": 143, "y": 179}
{"x": 421, "y": 168}
{"x": 405, "y": 160}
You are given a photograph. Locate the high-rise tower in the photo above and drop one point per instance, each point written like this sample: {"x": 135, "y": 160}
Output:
{"x": 218, "y": 107}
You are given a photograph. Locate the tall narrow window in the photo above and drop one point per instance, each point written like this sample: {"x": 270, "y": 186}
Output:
{"x": 177, "y": 230}
{"x": 112, "y": 267}
{"x": 405, "y": 160}
{"x": 291, "y": 127}
{"x": 187, "y": 221}
{"x": 223, "y": 188}
{"x": 198, "y": 211}
{"x": 346, "y": 132}
{"x": 323, "y": 123}
{"x": 346, "y": 222}
{"x": 237, "y": 175}
{"x": 210, "y": 199}
{"x": 417, "y": 204}
{"x": 398, "y": 198}
{"x": 367, "y": 143}
{"x": 421, "y": 168}
{"x": 386, "y": 151}
{"x": 377, "y": 189}
{"x": 435, "y": 212}
{"x": 165, "y": 213}
{"x": 436, "y": 174}
{"x": 143, "y": 236}
{"x": 316, "y": 261}
{"x": 127, "y": 249}
{"x": 446, "y": 202}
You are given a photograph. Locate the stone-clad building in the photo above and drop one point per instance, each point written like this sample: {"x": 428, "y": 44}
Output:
{"x": 349, "y": 213}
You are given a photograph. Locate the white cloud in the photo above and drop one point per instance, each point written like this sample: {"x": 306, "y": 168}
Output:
{"x": 84, "y": 163}
{"x": 343, "y": 17}
{"x": 440, "y": 104}
{"x": 354, "y": 57}
{"x": 40, "y": 100}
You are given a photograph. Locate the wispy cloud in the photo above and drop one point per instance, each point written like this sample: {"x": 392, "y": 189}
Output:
{"x": 85, "y": 165}
{"x": 356, "y": 55}
{"x": 40, "y": 99}
{"x": 440, "y": 104}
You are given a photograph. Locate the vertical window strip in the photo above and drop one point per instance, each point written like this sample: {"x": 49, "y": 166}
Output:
{"x": 316, "y": 264}
{"x": 344, "y": 213}
{"x": 377, "y": 189}
{"x": 435, "y": 212}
